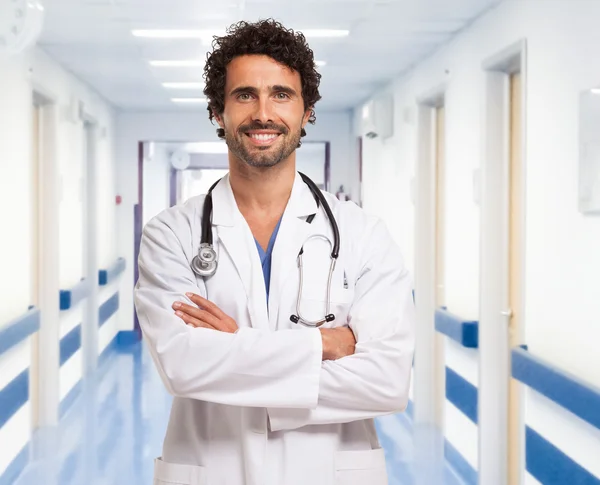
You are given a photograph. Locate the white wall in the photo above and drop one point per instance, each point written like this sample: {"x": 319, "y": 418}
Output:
{"x": 195, "y": 127}
{"x": 562, "y": 262}
{"x": 19, "y": 76}
{"x": 66, "y": 89}
{"x": 15, "y": 187}
{"x": 310, "y": 160}
{"x": 157, "y": 171}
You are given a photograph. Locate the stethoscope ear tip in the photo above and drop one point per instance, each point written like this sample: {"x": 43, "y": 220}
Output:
{"x": 294, "y": 318}
{"x": 330, "y": 317}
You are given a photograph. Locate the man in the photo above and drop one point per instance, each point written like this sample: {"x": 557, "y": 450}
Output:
{"x": 260, "y": 398}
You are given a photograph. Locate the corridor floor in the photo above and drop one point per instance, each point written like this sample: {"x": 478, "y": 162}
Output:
{"x": 114, "y": 430}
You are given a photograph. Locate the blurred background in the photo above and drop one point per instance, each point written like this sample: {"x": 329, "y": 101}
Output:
{"x": 472, "y": 127}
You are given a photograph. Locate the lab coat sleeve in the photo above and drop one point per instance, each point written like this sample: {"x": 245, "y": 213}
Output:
{"x": 249, "y": 368}
{"x": 374, "y": 381}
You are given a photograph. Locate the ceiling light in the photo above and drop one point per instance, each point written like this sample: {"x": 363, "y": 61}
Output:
{"x": 176, "y": 33}
{"x": 595, "y": 90}
{"x": 208, "y": 34}
{"x": 184, "y": 85}
{"x": 189, "y": 100}
{"x": 211, "y": 147}
{"x": 320, "y": 63}
{"x": 181, "y": 63}
{"x": 325, "y": 33}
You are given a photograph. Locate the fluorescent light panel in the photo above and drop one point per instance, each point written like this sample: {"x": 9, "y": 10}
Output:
{"x": 212, "y": 147}
{"x": 176, "y": 33}
{"x": 595, "y": 90}
{"x": 178, "y": 63}
{"x": 189, "y": 100}
{"x": 208, "y": 34}
{"x": 184, "y": 85}
{"x": 195, "y": 63}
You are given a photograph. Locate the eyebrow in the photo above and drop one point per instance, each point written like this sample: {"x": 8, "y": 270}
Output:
{"x": 278, "y": 88}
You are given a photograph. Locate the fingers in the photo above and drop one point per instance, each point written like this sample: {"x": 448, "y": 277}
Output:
{"x": 209, "y": 306}
{"x": 194, "y": 322}
{"x": 197, "y": 313}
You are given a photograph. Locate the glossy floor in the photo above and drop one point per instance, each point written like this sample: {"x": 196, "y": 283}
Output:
{"x": 115, "y": 428}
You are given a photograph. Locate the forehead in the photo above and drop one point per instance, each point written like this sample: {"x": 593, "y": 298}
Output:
{"x": 261, "y": 72}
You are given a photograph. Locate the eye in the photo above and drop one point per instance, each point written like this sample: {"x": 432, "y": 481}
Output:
{"x": 244, "y": 96}
{"x": 282, "y": 95}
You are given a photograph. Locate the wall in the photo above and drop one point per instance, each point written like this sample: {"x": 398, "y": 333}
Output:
{"x": 20, "y": 76}
{"x": 157, "y": 169}
{"x": 195, "y": 127}
{"x": 561, "y": 303}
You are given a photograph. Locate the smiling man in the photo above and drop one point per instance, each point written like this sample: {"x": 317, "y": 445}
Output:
{"x": 283, "y": 339}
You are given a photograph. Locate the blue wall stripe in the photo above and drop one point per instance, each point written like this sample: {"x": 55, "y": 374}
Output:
{"x": 465, "y": 332}
{"x": 106, "y": 276}
{"x": 462, "y": 394}
{"x": 70, "y": 344}
{"x": 13, "y": 396}
{"x": 551, "y": 466}
{"x": 568, "y": 391}
{"x": 70, "y": 298}
{"x": 19, "y": 329}
{"x": 16, "y": 467}
{"x": 108, "y": 308}
{"x": 460, "y": 465}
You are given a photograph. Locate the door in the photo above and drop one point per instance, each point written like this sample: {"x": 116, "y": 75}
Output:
{"x": 440, "y": 298}
{"x": 515, "y": 269}
{"x": 36, "y": 249}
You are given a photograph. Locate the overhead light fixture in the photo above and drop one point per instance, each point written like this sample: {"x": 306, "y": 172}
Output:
{"x": 326, "y": 33}
{"x": 595, "y": 90}
{"x": 189, "y": 100}
{"x": 179, "y": 63}
{"x": 209, "y": 147}
{"x": 184, "y": 85}
{"x": 208, "y": 34}
{"x": 176, "y": 33}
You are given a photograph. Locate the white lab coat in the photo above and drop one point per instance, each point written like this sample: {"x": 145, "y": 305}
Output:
{"x": 259, "y": 407}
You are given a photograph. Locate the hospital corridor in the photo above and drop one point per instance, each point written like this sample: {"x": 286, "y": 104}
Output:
{"x": 317, "y": 242}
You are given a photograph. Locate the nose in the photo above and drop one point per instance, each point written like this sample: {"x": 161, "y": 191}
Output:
{"x": 264, "y": 110}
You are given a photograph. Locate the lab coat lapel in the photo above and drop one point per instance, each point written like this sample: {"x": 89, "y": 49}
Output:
{"x": 237, "y": 240}
{"x": 293, "y": 231}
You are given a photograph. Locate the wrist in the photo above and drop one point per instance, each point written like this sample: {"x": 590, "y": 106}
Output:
{"x": 325, "y": 344}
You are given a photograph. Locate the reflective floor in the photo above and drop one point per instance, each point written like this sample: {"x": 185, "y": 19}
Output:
{"x": 115, "y": 428}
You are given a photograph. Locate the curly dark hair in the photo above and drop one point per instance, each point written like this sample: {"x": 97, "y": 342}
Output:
{"x": 267, "y": 37}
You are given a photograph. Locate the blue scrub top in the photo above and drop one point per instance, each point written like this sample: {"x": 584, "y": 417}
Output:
{"x": 265, "y": 258}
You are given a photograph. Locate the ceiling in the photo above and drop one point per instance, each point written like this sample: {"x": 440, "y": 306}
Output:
{"x": 93, "y": 39}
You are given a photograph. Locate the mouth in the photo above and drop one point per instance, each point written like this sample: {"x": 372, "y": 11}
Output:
{"x": 262, "y": 138}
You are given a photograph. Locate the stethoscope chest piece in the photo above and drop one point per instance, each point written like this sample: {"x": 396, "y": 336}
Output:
{"x": 205, "y": 262}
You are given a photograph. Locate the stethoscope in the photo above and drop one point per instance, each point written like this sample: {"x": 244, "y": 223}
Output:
{"x": 206, "y": 262}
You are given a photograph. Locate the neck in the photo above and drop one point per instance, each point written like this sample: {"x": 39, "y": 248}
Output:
{"x": 262, "y": 190}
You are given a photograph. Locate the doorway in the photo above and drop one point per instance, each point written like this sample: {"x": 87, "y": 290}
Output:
{"x": 502, "y": 270}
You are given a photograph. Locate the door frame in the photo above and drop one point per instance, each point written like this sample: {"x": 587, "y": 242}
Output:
{"x": 48, "y": 352}
{"x": 494, "y": 354}
{"x": 428, "y": 370}
{"x": 89, "y": 330}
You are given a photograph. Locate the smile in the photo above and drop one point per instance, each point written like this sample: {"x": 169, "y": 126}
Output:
{"x": 262, "y": 139}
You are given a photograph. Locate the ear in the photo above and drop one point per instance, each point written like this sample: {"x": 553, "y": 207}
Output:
{"x": 219, "y": 119}
{"x": 306, "y": 117}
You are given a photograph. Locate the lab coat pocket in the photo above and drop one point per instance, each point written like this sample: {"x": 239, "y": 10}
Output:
{"x": 175, "y": 474}
{"x": 314, "y": 306}
{"x": 360, "y": 467}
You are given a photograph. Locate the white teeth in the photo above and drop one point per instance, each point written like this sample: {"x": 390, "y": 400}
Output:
{"x": 263, "y": 137}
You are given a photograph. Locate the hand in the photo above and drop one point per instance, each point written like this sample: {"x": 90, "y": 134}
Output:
{"x": 337, "y": 342}
{"x": 207, "y": 315}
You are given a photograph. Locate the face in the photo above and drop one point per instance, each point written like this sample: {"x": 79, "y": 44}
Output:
{"x": 264, "y": 110}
